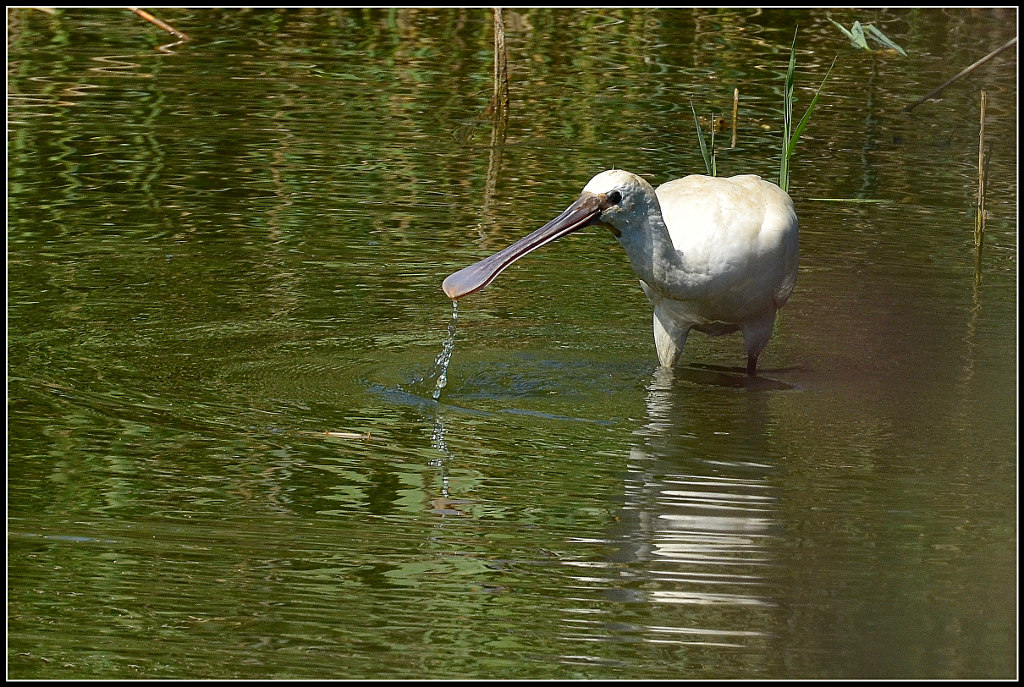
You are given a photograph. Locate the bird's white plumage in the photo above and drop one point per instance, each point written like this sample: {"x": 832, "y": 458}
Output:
{"x": 713, "y": 254}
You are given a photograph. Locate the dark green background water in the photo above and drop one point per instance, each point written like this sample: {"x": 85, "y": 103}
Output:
{"x": 219, "y": 251}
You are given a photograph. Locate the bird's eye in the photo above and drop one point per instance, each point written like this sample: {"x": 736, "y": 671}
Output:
{"x": 614, "y": 197}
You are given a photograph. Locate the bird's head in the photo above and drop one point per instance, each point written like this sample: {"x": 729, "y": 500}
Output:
{"x": 625, "y": 200}
{"x": 614, "y": 198}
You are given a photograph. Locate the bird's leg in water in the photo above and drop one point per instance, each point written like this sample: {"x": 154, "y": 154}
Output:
{"x": 752, "y": 365}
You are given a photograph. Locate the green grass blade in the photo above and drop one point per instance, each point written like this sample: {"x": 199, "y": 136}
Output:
{"x": 841, "y": 28}
{"x": 788, "y": 95}
{"x": 810, "y": 108}
{"x": 858, "y": 36}
{"x": 714, "y": 162}
{"x": 884, "y": 40}
{"x": 787, "y": 116}
{"x": 850, "y": 200}
{"x": 708, "y": 163}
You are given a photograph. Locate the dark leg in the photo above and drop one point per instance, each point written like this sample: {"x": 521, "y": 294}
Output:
{"x": 755, "y": 338}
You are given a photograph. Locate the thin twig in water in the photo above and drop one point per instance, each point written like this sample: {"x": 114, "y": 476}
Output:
{"x": 162, "y": 24}
{"x": 965, "y": 72}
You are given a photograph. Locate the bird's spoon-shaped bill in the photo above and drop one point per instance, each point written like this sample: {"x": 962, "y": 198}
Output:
{"x": 586, "y": 210}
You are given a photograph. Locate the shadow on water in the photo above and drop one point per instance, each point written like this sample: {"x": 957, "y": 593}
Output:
{"x": 731, "y": 377}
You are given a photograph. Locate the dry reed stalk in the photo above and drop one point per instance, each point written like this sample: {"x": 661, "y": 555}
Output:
{"x": 979, "y": 221}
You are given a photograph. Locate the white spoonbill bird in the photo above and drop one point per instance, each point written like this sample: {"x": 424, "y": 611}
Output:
{"x": 714, "y": 254}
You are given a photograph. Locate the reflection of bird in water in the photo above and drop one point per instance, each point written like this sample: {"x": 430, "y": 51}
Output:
{"x": 717, "y": 255}
{"x": 698, "y": 526}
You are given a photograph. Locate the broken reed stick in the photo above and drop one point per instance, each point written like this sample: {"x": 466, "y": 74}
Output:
{"x": 735, "y": 113}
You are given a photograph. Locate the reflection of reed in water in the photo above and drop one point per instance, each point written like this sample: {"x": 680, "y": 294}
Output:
{"x": 697, "y": 526}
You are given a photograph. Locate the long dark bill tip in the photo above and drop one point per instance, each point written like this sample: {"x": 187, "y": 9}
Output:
{"x": 471, "y": 279}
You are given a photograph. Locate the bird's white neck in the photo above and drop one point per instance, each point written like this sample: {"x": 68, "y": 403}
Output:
{"x": 647, "y": 242}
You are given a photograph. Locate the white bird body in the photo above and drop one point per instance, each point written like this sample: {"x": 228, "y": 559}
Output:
{"x": 713, "y": 254}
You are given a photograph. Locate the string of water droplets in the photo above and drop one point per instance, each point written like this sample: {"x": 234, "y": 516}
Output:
{"x": 442, "y": 504}
{"x": 445, "y": 356}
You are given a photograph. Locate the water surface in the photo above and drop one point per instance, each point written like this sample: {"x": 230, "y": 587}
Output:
{"x": 225, "y": 457}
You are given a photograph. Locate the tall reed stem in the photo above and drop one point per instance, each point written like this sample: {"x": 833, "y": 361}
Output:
{"x": 979, "y": 220}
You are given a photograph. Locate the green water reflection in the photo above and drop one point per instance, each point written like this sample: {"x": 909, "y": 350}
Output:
{"x": 224, "y": 266}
